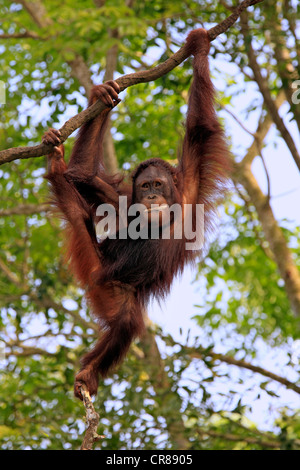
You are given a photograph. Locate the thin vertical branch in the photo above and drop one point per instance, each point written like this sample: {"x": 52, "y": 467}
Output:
{"x": 92, "y": 419}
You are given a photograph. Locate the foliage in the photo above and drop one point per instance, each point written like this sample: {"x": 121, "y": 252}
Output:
{"x": 181, "y": 389}
{"x": 243, "y": 287}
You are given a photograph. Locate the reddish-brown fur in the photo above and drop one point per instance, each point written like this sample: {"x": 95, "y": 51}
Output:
{"x": 121, "y": 275}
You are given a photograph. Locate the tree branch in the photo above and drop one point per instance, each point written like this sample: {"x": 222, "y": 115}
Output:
{"x": 9, "y": 274}
{"x": 124, "y": 82}
{"x": 265, "y": 91}
{"x": 82, "y": 73}
{"x": 109, "y": 151}
{"x": 27, "y": 35}
{"x": 225, "y": 108}
{"x": 243, "y": 175}
{"x": 200, "y": 353}
{"x": 264, "y": 125}
{"x": 79, "y": 69}
{"x": 25, "y": 209}
{"x": 92, "y": 419}
{"x": 155, "y": 366}
{"x": 274, "y": 235}
{"x": 37, "y": 12}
